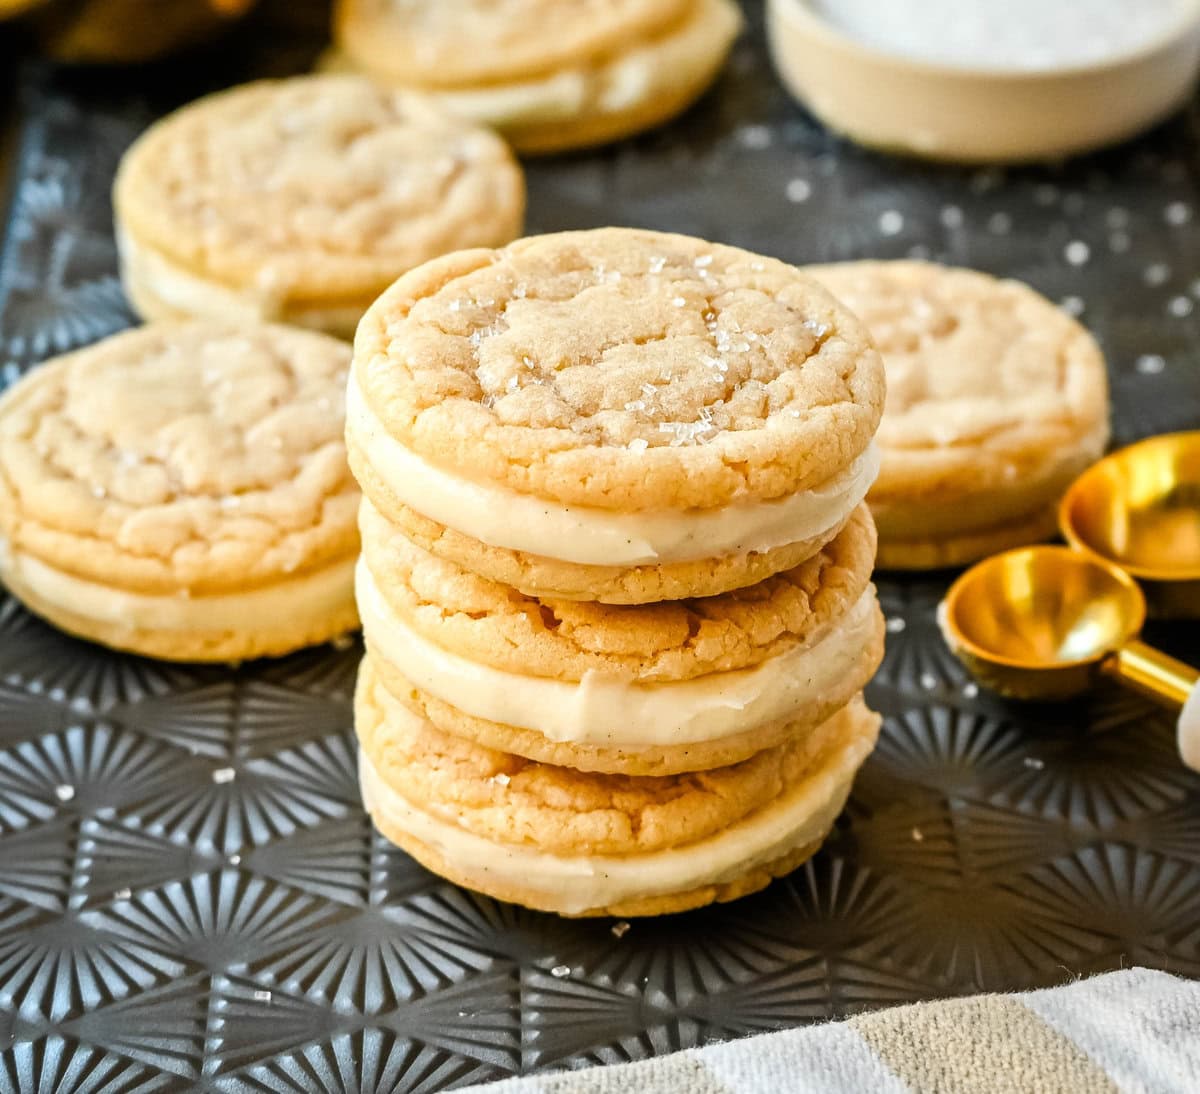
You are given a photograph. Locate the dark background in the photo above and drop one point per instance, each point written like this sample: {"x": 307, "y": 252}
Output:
{"x": 190, "y": 894}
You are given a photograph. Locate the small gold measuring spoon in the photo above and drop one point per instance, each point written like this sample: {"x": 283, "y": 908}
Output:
{"x": 1140, "y": 508}
{"x": 1041, "y": 622}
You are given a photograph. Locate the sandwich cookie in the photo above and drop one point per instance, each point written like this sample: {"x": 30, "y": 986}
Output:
{"x": 181, "y": 491}
{"x": 614, "y": 415}
{"x": 300, "y": 200}
{"x": 548, "y": 74}
{"x": 997, "y": 400}
{"x": 584, "y": 844}
{"x": 650, "y": 689}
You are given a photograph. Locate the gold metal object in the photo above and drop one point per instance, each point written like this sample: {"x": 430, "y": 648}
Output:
{"x": 1040, "y": 622}
{"x": 1152, "y": 672}
{"x": 1140, "y": 509}
{"x": 129, "y": 31}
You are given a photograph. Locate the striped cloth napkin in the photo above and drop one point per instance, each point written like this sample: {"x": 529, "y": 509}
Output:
{"x": 1136, "y": 1030}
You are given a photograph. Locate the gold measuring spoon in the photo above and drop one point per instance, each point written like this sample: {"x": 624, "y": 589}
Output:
{"x": 1140, "y": 508}
{"x": 1041, "y": 622}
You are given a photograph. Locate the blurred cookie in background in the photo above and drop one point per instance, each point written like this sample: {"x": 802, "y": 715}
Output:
{"x": 996, "y": 400}
{"x": 548, "y": 74}
{"x": 126, "y": 31}
{"x": 301, "y": 200}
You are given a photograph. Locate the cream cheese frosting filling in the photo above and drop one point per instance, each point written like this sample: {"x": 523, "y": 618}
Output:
{"x": 179, "y": 290}
{"x": 294, "y": 602}
{"x": 611, "y": 711}
{"x": 573, "y": 884}
{"x": 502, "y": 517}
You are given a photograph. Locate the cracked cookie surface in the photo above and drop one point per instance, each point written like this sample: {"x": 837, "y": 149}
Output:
{"x": 622, "y": 370}
{"x": 313, "y": 190}
{"x": 196, "y": 456}
{"x": 493, "y": 624}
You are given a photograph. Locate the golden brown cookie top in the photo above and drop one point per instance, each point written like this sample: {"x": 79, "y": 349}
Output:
{"x": 316, "y": 187}
{"x": 977, "y": 368}
{"x": 558, "y": 810}
{"x": 455, "y": 43}
{"x": 495, "y": 625}
{"x": 202, "y": 457}
{"x": 622, "y": 369}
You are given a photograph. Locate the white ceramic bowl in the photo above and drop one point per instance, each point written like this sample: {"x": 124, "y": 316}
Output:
{"x": 971, "y": 115}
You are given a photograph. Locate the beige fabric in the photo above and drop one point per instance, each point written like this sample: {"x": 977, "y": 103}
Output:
{"x": 985, "y": 1045}
{"x": 1136, "y": 1030}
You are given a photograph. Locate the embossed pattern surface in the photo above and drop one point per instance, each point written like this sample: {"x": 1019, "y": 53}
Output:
{"x": 190, "y": 895}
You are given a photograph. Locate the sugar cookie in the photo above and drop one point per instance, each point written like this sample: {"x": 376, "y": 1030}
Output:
{"x": 548, "y": 74}
{"x": 181, "y": 491}
{"x": 996, "y": 400}
{"x": 301, "y": 200}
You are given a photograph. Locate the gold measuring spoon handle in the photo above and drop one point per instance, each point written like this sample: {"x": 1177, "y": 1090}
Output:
{"x": 1153, "y": 673}
{"x": 1167, "y": 681}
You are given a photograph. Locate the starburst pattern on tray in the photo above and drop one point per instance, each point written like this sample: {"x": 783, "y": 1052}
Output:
{"x": 191, "y": 896}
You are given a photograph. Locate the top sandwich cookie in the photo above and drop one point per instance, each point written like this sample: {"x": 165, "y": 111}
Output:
{"x": 548, "y": 74}
{"x": 997, "y": 399}
{"x": 182, "y": 491}
{"x": 300, "y": 200}
{"x": 614, "y": 415}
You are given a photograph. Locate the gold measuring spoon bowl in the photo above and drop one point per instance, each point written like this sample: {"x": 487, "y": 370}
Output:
{"x": 1043, "y": 622}
{"x": 1140, "y": 508}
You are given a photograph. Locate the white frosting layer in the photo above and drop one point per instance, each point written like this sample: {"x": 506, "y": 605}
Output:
{"x": 610, "y": 711}
{"x": 502, "y": 517}
{"x": 578, "y": 883}
{"x": 297, "y": 601}
{"x": 151, "y": 274}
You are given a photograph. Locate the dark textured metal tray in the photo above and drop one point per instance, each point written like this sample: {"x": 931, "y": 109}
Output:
{"x": 190, "y": 895}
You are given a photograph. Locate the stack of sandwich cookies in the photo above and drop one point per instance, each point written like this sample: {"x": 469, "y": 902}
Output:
{"x": 614, "y": 415}
{"x": 547, "y": 74}
{"x": 997, "y": 399}
{"x": 615, "y": 581}
{"x": 650, "y": 689}
{"x": 300, "y": 200}
{"x": 182, "y": 491}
